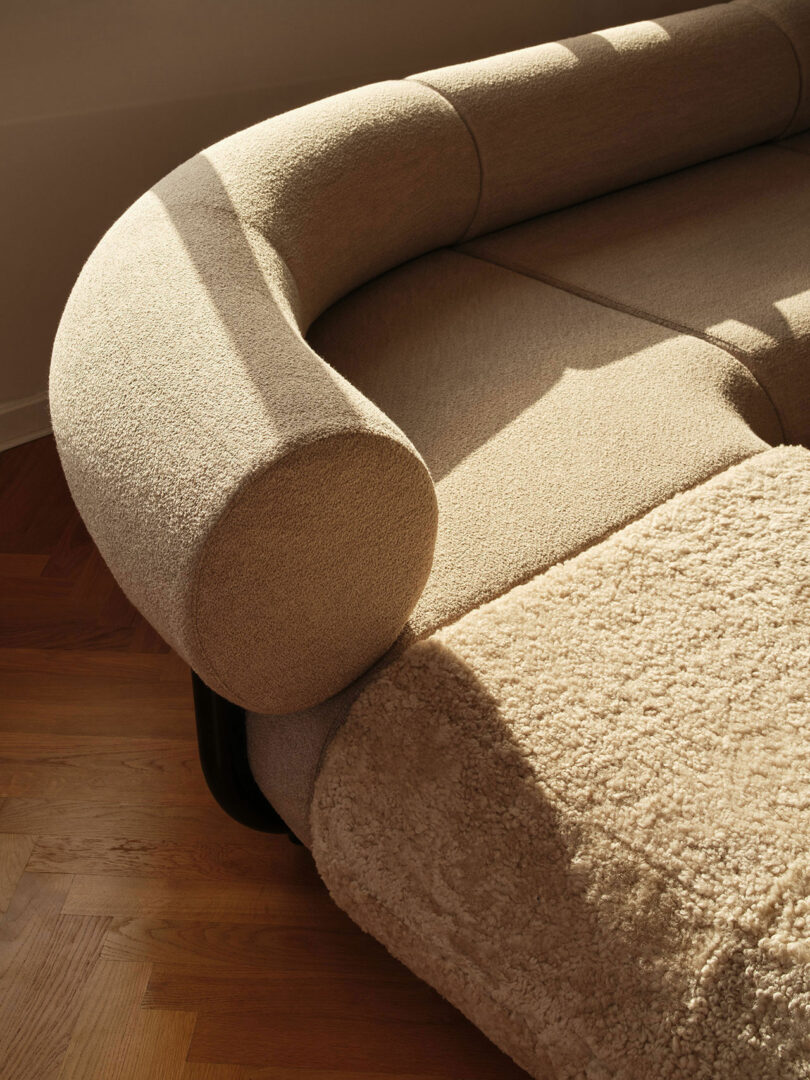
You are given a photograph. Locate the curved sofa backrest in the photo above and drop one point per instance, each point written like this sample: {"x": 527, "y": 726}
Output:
{"x": 343, "y": 189}
{"x": 269, "y": 520}
{"x": 563, "y": 122}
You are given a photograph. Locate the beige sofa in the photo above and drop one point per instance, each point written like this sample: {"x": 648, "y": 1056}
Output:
{"x": 454, "y": 428}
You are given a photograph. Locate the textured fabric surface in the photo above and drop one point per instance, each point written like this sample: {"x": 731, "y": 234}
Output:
{"x": 719, "y": 250}
{"x": 344, "y": 188}
{"x": 793, "y": 18}
{"x": 546, "y": 420}
{"x": 581, "y": 811}
{"x": 563, "y": 122}
{"x": 274, "y": 526}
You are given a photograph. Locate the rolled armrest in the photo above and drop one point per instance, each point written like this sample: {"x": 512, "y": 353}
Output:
{"x": 269, "y": 520}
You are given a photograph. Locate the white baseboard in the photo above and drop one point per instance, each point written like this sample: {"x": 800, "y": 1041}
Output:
{"x": 23, "y": 420}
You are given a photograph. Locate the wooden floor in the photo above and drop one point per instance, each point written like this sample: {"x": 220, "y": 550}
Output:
{"x": 144, "y": 935}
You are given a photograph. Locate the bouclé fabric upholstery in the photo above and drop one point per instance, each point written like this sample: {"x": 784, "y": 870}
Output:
{"x": 457, "y": 428}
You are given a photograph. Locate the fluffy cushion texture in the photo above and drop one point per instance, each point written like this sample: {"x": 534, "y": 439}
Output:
{"x": 581, "y": 811}
{"x": 720, "y": 250}
{"x": 562, "y": 122}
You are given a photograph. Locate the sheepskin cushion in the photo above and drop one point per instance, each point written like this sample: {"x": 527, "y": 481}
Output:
{"x": 581, "y": 811}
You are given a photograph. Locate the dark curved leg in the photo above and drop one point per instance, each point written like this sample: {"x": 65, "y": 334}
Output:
{"x": 222, "y": 742}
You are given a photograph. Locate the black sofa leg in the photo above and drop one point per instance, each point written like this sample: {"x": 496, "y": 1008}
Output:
{"x": 222, "y": 743}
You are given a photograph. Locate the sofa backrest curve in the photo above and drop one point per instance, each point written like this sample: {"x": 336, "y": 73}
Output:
{"x": 270, "y": 521}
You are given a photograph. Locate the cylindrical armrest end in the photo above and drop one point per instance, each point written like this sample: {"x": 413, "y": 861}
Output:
{"x": 312, "y": 569}
{"x": 272, "y": 524}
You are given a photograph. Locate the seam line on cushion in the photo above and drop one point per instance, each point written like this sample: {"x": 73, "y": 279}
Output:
{"x": 638, "y": 313}
{"x": 466, "y": 232}
{"x": 791, "y": 149}
{"x": 769, "y": 18}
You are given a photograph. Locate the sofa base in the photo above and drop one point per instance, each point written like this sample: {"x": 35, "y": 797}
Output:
{"x": 222, "y": 744}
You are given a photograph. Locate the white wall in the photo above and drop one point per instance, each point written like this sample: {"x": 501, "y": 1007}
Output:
{"x": 100, "y": 98}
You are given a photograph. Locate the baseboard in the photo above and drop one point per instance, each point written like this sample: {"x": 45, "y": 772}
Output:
{"x": 23, "y": 420}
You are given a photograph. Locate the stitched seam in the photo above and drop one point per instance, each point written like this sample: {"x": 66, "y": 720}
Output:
{"x": 399, "y": 647}
{"x": 790, "y": 149}
{"x": 466, "y": 232}
{"x": 638, "y": 313}
{"x": 769, "y": 18}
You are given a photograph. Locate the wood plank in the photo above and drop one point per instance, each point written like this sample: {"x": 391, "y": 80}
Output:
{"x": 232, "y": 902}
{"x": 15, "y": 851}
{"x": 274, "y": 1072}
{"x": 74, "y": 817}
{"x": 70, "y": 552}
{"x": 244, "y": 948}
{"x": 20, "y": 626}
{"x": 449, "y": 1050}
{"x": 29, "y": 918}
{"x": 96, "y": 669}
{"x": 296, "y": 997}
{"x": 258, "y": 858}
{"x": 57, "y": 766}
{"x": 39, "y": 1006}
{"x": 34, "y": 498}
{"x": 77, "y": 710}
{"x": 107, "y": 1021}
{"x": 197, "y": 1071}
{"x": 22, "y": 597}
{"x": 21, "y": 565}
{"x": 159, "y": 1046}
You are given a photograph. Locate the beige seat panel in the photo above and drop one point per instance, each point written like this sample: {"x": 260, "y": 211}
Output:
{"x": 722, "y": 249}
{"x": 546, "y": 420}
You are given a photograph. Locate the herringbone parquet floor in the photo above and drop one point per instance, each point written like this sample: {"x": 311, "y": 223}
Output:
{"x": 144, "y": 935}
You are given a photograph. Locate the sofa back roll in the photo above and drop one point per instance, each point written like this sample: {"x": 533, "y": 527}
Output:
{"x": 793, "y": 19}
{"x": 563, "y": 122}
{"x": 272, "y": 523}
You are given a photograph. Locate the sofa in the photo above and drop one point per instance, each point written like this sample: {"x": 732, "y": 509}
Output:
{"x": 454, "y": 430}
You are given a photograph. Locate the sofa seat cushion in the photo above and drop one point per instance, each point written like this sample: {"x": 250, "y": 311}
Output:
{"x": 546, "y": 420}
{"x": 581, "y": 812}
{"x": 719, "y": 250}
